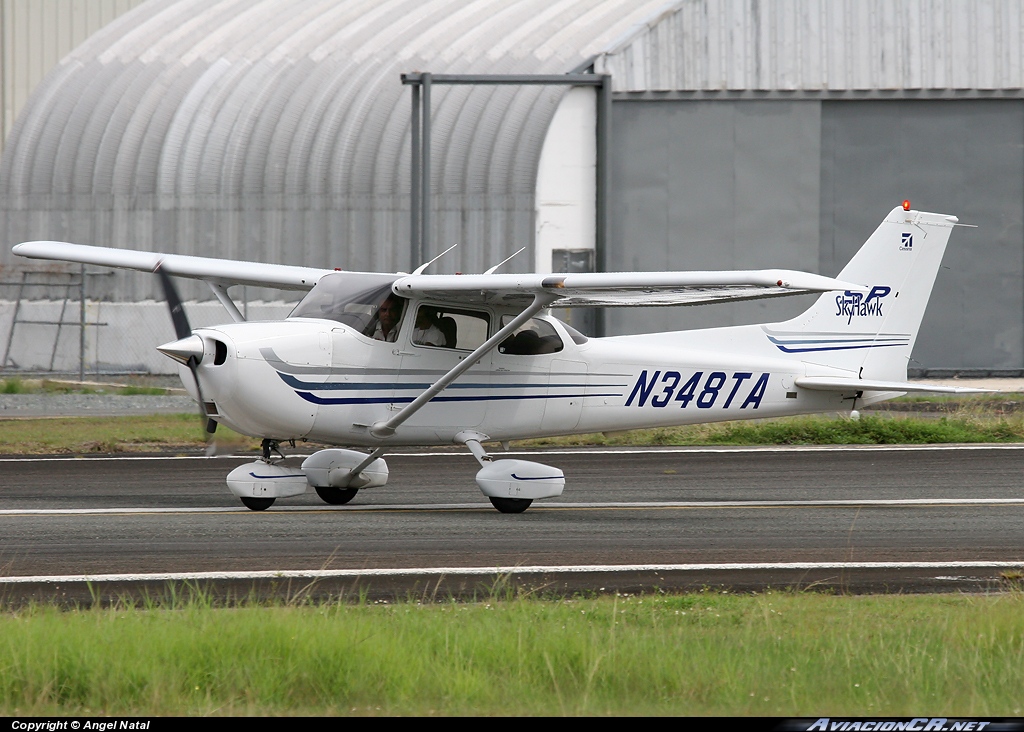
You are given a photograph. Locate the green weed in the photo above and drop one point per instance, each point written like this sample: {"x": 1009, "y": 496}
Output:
{"x": 13, "y": 386}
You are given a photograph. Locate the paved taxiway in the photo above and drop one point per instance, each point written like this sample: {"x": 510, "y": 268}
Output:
{"x": 833, "y": 509}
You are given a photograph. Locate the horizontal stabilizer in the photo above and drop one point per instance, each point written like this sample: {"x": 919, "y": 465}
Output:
{"x": 826, "y": 383}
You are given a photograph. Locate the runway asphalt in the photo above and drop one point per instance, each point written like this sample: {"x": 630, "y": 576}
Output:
{"x": 849, "y": 519}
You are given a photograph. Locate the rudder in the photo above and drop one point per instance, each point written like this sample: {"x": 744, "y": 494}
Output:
{"x": 873, "y": 333}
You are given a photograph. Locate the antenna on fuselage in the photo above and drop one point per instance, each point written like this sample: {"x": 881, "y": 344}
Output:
{"x": 419, "y": 270}
{"x": 491, "y": 270}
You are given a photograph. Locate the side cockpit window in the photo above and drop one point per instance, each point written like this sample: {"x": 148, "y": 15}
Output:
{"x": 534, "y": 337}
{"x": 364, "y": 302}
{"x": 442, "y": 327}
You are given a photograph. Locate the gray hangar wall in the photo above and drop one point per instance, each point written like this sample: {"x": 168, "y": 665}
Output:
{"x": 801, "y": 183}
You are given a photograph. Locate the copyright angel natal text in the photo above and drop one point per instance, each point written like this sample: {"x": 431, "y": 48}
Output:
{"x": 54, "y": 726}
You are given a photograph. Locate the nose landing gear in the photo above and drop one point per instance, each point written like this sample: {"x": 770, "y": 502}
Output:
{"x": 258, "y": 484}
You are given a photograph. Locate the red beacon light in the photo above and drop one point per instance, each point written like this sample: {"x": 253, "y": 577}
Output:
{"x": 906, "y": 205}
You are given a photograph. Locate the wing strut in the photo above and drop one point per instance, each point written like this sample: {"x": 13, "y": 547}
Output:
{"x": 386, "y": 428}
{"x": 221, "y": 292}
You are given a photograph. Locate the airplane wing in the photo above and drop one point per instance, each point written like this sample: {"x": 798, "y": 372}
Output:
{"x": 223, "y": 272}
{"x": 588, "y": 289}
{"x": 617, "y": 289}
{"x": 826, "y": 383}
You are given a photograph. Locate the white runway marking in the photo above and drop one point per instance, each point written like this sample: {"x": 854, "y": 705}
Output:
{"x": 570, "y": 451}
{"x": 851, "y": 503}
{"x": 314, "y": 574}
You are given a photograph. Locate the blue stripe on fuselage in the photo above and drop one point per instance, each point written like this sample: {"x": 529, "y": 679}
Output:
{"x": 407, "y": 399}
{"x": 368, "y": 385}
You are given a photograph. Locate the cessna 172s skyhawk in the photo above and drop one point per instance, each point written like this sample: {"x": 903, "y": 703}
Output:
{"x": 378, "y": 361}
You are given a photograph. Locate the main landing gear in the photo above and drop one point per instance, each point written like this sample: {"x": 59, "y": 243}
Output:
{"x": 336, "y": 475}
{"x": 511, "y": 485}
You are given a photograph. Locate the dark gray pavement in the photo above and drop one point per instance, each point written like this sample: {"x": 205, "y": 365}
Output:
{"x": 620, "y": 507}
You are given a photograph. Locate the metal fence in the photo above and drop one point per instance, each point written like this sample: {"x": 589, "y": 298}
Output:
{"x": 61, "y": 320}
{"x": 49, "y": 316}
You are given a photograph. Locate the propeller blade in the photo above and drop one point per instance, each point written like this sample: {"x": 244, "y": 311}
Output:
{"x": 188, "y": 349}
{"x": 181, "y": 327}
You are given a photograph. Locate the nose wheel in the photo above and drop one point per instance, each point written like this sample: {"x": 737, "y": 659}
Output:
{"x": 511, "y": 505}
{"x": 256, "y": 504}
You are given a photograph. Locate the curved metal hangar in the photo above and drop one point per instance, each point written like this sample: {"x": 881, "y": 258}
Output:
{"x": 743, "y": 136}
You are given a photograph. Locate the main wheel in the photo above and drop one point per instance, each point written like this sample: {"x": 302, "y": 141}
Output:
{"x": 257, "y": 504}
{"x": 336, "y": 496}
{"x": 511, "y": 505}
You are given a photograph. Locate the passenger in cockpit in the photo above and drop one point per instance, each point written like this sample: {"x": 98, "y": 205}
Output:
{"x": 426, "y": 332}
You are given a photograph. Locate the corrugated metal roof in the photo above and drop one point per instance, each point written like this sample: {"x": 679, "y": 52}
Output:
{"x": 279, "y": 131}
{"x": 823, "y": 45}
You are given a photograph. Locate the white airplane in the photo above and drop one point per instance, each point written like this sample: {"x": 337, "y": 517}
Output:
{"x": 379, "y": 361}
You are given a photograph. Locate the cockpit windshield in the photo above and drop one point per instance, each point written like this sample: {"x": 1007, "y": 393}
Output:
{"x": 347, "y": 299}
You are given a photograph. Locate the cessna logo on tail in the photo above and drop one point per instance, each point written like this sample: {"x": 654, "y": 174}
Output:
{"x": 853, "y": 304}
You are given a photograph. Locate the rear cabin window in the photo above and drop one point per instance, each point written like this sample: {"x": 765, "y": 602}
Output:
{"x": 532, "y": 338}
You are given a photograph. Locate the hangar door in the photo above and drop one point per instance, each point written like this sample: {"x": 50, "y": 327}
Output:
{"x": 800, "y": 184}
{"x": 962, "y": 157}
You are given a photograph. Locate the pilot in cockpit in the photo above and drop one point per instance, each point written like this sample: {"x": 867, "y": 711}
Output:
{"x": 389, "y": 315}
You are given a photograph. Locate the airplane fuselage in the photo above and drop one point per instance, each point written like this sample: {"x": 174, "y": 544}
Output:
{"x": 313, "y": 379}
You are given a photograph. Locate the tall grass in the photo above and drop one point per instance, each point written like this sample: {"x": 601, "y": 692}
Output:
{"x": 700, "y": 654}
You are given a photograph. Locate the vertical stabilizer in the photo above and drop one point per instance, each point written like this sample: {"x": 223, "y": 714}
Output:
{"x": 872, "y": 333}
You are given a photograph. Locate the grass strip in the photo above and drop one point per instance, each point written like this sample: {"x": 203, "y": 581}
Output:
{"x": 91, "y": 435}
{"x": 17, "y": 385}
{"x": 774, "y": 654}
{"x": 816, "y": 430}
{"x": 182, "y": 432}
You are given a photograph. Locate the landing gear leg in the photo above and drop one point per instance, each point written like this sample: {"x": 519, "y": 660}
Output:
{"x": 268, "y": 446}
